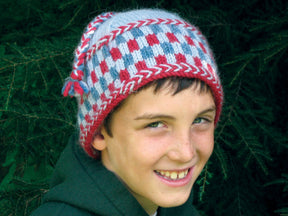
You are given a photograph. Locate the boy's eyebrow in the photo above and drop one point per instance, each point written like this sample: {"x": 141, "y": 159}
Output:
{"x": 211, "y": 109}
{"x": 151, "y": 116}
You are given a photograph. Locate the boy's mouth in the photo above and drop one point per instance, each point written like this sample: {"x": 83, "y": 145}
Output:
{"x": 172, "y": 175}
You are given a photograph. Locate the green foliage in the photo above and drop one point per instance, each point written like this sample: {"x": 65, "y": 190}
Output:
{"x": 247, "y": 174}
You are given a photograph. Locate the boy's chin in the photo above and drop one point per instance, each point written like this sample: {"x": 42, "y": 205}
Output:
{"x": 173, "y": 201}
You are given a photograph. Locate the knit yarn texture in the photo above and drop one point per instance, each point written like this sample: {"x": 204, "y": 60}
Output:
{"x": 121, "y": 52}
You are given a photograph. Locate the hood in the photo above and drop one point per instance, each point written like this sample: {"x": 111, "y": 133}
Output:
{"x": 86, "y": 184}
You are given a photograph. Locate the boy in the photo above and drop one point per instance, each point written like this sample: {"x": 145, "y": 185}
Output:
{"x": 149, "y": 99}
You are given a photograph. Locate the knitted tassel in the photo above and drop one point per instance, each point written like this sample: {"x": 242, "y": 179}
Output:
{"x": 75, "y": 88}
{"x": 74, "y": 85}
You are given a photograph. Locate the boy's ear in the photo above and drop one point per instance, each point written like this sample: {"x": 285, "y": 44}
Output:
{"x": 99, "y": 142}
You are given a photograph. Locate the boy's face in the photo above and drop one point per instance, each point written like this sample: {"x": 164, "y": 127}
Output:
{"x": 160, "y": 144}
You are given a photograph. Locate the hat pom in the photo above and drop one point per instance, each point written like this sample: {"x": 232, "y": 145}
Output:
{"x": 75, "y": 88}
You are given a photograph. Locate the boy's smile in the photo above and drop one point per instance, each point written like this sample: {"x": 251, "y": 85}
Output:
{"x": 175, "y": 178}
{"x": 160, "y": 144}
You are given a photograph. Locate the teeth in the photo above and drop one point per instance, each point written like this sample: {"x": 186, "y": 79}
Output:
{"x": 173, "y": 175}
{"x": 181, "y": 175}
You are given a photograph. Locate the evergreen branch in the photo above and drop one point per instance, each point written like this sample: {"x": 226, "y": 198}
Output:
{"x": 10, "y": 89}
{"x": 14, "y": 64}
{"x": 223, "y": 126}
{"x": 25, "y": 79}
{"x": 34, "y": 116}
{"x": 65, "y": 26}
{"x": 18, "y": 50}
{"x": 42, "y": 75}
{"x": 251, "y": 147}
{"x": 49, "y": 133}
{"x": 222, "y": 159}
{"x": 73, "y": 18}
{"x": 271, "y": 23}
{"x": 204, "y": 182}
{"x": 275, "y": 52}
{"x": 238, "y": 200}
{"x": 239, "y": 71}
{"x": 58, "y": 70}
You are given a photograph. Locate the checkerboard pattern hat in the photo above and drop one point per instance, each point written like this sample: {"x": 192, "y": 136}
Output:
{"x": 119, "y": 53}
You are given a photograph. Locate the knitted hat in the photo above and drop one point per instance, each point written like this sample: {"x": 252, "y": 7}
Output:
{"x": 121, "y": 52}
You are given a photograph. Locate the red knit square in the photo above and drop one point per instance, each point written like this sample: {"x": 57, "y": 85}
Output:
{"x": 172, "y": 38}
{"x": 197, "y": 62}
{"x": 104, "y": 67}
{"x": 203, "y": 47}
{"x": 141, "y": 65}
{"x": 132, "y": 45}
{"x": 180, "y": 58}
{"x": 189, "y": 40}
{"x": 111, "y": 87}
{"x": 152, "y": 39}
{"x": 88, "y": 118}
{"x": 81, "y": 128}
{"x": 95, "y": 107}
{"x": 211, "y": 70}
{"x": 94, "y": 77}
{"x": 161, "y": 59}
{"x": 115, "y": 53}
{"x": 124, "y": 75}
{"x": 103, "y": 97}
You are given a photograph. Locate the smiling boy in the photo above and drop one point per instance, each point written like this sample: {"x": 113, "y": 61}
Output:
{"x": 149, "y": 99}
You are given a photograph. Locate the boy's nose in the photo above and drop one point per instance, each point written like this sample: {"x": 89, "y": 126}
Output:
{"x": 183, "y": 148}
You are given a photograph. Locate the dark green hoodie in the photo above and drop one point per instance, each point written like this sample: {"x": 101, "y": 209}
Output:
{"x": 83, "y": 186}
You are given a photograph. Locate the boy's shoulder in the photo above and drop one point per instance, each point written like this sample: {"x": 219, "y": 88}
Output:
{"x": 57, "y": 209}
{"x": 83, "y": 186}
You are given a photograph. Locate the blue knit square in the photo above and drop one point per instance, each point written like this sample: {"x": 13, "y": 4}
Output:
{"x": 175, "y": 29}
{"x": 186, "y": 48}
{"x": 103, "y": 83}
{"x": 95, "y": 94}
{"x": 155, "y": 28}
{"x": 147, "y": 52}
{"x": 167, "y": 48}
{"x": 201, "y": 54}
{"x": 120, "y": 39}
{"x": 128, "y": 60}
{"x": 136, "y": 32}
{"x": 81, "y": 116}
{"x": 192, "y": 35}
{"x": 95, "y": 61}
{"x": 114, "y": 73}
{"x": 87, "y": 105}
{"x": 105, "y": 51}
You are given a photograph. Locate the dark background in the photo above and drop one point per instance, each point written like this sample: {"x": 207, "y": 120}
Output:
{"x": 247, "y": 174}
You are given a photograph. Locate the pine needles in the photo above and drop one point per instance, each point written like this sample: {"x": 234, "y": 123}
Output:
{"x": 247, "y": 174}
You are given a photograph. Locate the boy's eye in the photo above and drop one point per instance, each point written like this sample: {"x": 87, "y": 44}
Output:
{"x": 155, "y": 125}
{"x": 200, "y": 120}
